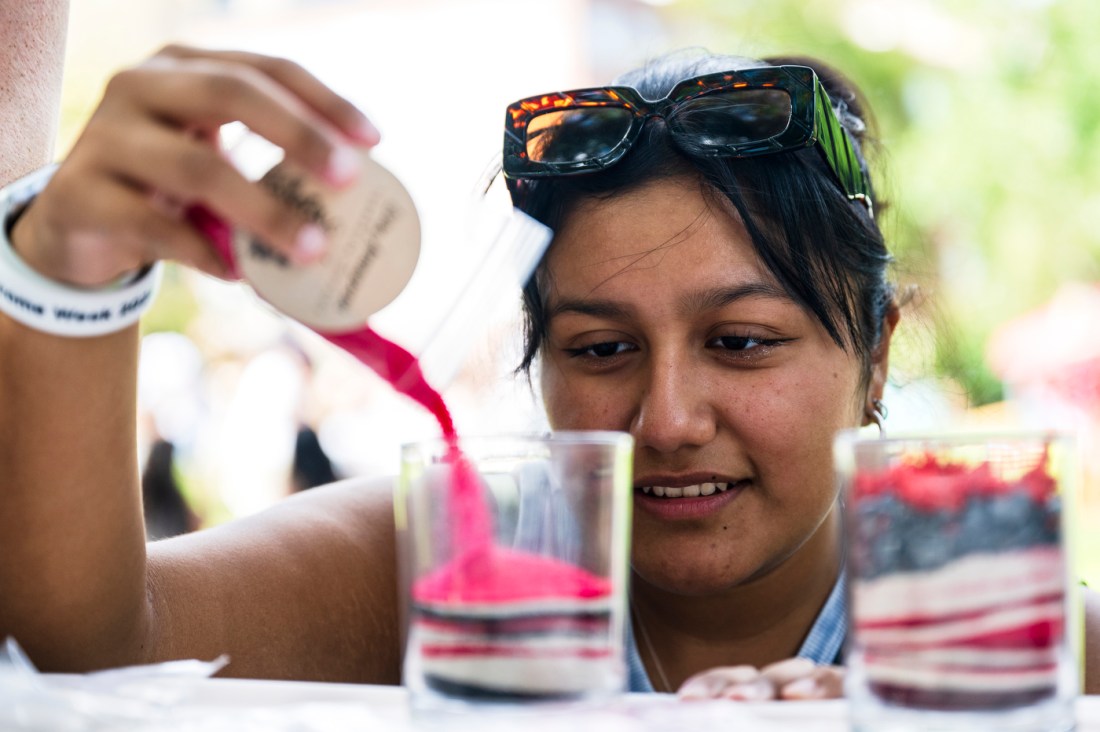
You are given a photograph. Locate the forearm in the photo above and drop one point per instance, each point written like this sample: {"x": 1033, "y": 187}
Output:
{"x": 75, "y": 587}
{"x": 33, "y": 37}
{"x": 1091, "y": 641}
{"x": 72, "y": 573}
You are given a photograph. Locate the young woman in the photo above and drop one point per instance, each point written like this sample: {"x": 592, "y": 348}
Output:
{"x": 726, "y": 304}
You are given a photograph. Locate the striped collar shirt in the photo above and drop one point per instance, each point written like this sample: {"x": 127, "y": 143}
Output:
{"x": 824, "y": 644}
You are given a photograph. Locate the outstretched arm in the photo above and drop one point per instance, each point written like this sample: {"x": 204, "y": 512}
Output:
{"x": 1092, "y": 641}
{"x": 304, "y": 591}
{"x": 32, "y": 35}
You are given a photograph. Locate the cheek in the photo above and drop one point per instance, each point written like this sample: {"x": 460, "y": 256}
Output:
{"x": 820, "y": 401}
{"x": 789, "y": 422}
{"x": 580, "y": 404}
{"x": 557, "y": 395}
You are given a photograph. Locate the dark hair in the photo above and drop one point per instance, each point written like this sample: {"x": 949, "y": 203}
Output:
{"x": 824, "y": 250}
{"x": 311, "y": 466}
{"x": 166, "y": 511}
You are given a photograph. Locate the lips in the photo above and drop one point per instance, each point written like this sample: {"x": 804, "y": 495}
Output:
{"x": 687, "y": 491}
{"x": 686, "y": 498}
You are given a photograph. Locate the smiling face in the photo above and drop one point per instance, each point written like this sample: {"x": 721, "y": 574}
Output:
{"x": 664, "y": 323}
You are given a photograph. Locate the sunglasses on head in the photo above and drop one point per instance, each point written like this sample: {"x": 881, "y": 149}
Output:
{"x": 735, "y": 114}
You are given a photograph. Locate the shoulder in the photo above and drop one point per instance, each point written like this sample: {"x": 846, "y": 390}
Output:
{"x": 1092, "y": 640}
{"x": 353, "y": 510}
{"x": 319, "y": 568}
{"x": 345, "y": 522}
{"x": 353, "y": 501}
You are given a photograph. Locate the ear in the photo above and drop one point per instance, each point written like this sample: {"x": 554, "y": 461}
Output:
{"x": 880, "y": 360}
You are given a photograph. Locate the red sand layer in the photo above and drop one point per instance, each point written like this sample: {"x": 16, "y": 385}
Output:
{"x": 939, "y": 700}
{"x": 986, "y": 627}
{"x": 484, "y": 650}
{"x": 983, "y": 631}
{"x": 927, "y": 483}
{"x": 496, "y": 575}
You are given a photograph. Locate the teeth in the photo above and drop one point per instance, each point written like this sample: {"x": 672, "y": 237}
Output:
{"x": 688, "y": 491}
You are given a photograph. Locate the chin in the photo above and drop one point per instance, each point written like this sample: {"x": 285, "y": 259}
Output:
{"x": 694, "y": 581}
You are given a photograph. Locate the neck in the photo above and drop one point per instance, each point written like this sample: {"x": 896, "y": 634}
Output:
{"x": 756, "y": 622}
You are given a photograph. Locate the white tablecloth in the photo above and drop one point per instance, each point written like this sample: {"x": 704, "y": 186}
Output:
{"x": 217, "y": 705}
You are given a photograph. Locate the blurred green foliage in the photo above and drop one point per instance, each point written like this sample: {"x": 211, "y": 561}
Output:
{"x": 989, "y": 117}
{"x": 175, "y": 306}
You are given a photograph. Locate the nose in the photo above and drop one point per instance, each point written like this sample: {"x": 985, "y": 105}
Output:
{"x": 675, "y": 409}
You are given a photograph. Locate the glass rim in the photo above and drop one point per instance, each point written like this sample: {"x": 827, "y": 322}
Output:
{"x": 855, "y": 436}
{"x": 552, "y": 437}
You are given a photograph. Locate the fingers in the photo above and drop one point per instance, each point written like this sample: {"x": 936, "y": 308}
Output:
{"x": 824, "y": 682}
{"x": 186, "y": 169}
{"x": 205, "y": 94}
{"x": 112, "y": 230}
{"x": 330, "y": 106}
{"x": 787, "y": 671}
{"x": 790, "y": 679}
{"x": 153, "y": 230}
{"x": 151, "y": 147}
{"x": 741, "y": 683}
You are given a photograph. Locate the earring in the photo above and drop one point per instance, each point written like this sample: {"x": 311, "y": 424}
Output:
{"x": 876, "y": 413}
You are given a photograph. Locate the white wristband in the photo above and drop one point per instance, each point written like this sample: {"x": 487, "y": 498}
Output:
{"x": 51, "y": 307}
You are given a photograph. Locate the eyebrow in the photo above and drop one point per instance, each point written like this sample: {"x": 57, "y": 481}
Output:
{"x": 595, "y": 308}
{"x": 720, "y": 297}
{"x": 712, "y": 299}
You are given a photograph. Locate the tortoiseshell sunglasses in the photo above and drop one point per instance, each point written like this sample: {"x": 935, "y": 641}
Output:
{"x": 727, "y": 114}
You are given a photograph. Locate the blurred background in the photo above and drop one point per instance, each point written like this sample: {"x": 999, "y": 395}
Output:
{"x": 988, "y": 113}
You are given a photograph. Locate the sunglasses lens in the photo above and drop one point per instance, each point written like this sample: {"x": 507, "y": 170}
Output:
{"x": 733, "y": 118}
{"x": 576, "y": 135}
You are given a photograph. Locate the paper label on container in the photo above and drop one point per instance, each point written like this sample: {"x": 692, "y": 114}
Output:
{"x": 374, "y": 242}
